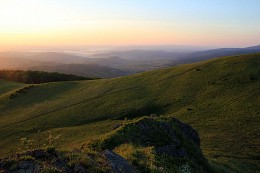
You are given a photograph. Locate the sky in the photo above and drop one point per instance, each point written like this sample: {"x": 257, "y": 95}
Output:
{"x": 64, "y": 23}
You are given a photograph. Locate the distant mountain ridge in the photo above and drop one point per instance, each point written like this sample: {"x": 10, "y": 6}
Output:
{"x": 63, "y": 63}
{"x": 139, "y": 54}
{"x": 214, "y": 53}
{"x": 114, "y": 63}
{"x": 253, "y": 47}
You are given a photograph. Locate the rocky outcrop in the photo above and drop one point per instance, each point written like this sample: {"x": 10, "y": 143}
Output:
{"x": 117, "y": 163}
{"x": 37, "y": 161}
{"x": 168, "y": 137}
{"x": 173, "y": 150}
{"x": 27, "y": 166}
{"x": 155, "y": 144}
{"x": 165, "y": 134}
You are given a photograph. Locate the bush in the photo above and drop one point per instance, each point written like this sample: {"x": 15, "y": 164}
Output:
{"x": 36, "y": 77}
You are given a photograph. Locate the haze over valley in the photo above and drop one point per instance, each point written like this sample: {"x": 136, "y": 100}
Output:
{"x": 113, "y": 63}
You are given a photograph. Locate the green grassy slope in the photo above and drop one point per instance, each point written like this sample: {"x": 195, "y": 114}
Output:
{"x": 6, "y": 87}
{"x": 219, "y": 98}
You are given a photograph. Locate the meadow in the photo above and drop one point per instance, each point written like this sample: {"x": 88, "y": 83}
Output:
{"x": 219, "y": 98}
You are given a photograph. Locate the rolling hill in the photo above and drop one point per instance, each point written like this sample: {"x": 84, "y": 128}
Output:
{"x": 139, "y": 55}
{"x": 214, "y": 53}
{"x": 55, "y": 57}
{"x": 53, "y": 64}
{"x": 86, "y": 70}
{"x": 167, "y": 58}
{"x": 111, "y": 64}
{"x": 219, "y": 98}
{"x": 60, "y": 61}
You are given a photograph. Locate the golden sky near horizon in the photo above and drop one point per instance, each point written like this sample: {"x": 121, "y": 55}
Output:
{"x": 32, "y": 23}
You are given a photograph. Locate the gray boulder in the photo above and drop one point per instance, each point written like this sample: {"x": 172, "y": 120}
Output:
{"x": 79, "y": 169}
{"x": 117, "y": 163}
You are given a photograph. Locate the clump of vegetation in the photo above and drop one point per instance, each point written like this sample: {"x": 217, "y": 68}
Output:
{"x": 36, "y": 77}
{"x": 27, "y": 144}
{"x": 49, "y": 143}
{"x": 45, "y": 158}
{"x": 21, "y": 91}
{"x": 27, "y": 158}
{"x": 91, "y": 160}
{"x": 44, "y": 161}
{"x": 50, "y": 170}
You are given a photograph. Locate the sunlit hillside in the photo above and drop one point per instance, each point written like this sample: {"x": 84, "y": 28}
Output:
{"x": 219, "y": 98}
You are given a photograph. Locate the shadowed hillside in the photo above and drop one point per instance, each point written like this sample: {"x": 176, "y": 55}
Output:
{"x": 219, "y": 98}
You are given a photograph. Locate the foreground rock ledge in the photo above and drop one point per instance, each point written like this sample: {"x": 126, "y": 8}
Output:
{"x": 148, "y": 144}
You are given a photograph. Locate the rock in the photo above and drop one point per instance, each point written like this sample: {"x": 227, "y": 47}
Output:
{"x": 60, "y": 163}
{"x": 170, "y": 132}
{"x": 173, "y": 150}
{"x": 79, "y": 169}
{"x": 117, "y": 163}
{"x": 25, "y": 167}
{"x": 148, "y": 126}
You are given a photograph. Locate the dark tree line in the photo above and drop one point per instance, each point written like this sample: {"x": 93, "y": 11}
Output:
{"x": 36, "y": 77}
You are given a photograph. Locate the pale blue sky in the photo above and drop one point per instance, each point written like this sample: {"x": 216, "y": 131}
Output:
{"x": 201, "y": 10}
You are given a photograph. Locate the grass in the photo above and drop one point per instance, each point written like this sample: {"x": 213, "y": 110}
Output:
{"x": 6, "y": 87}
{"x": 219, "y": 98}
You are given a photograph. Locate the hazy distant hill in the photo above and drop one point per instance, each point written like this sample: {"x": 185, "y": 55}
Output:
{"x": 214, "y": 53}
{"x": 111, "y": 64}
{"x": 112, "y": 61}
{"x": 132, "y": 65}
{"x": 7, "y": 62}
{"x": 86, "y": 70}
{"x": 140, "y": 55}
{"x": 152, "y": 59}
{"x": 254, "y": 47}
{"x": 140, "y": 60}
{"x": 58, "y": 57}
{"x": 63, "y": 63}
